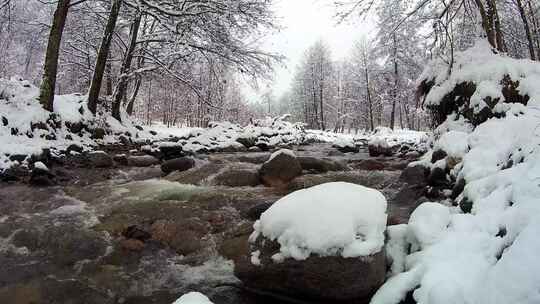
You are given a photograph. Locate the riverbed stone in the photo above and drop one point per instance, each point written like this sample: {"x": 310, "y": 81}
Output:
{"x": 142, "y": 161}
{"x": 332, "y": 278}
{"x": 177, "y": 164}
{"x": 280, "y": 170}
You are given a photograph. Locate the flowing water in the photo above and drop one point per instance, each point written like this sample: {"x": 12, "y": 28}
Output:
{"x": 67, "y": 244}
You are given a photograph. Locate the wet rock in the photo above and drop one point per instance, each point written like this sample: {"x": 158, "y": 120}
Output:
{"x": 320, "y": 165}
{"x": 184, "y": 237}
{"x": 348, "y": 147}
{"x": 142, "y": 161}
{"x": 415, "y": 175}
{"x": 177, "y": 164}
{"x": 74, "y": 148}
{"x": 233, "y": 148}
{"x": 280, "y": 170}
{"x": 438, "y": 155}
{"x": 132, "y": 245}
{"x": 437, "y": 177}
{"x": 248, "y": 142}
{"x": 372, "y": 179}
{"x": 238, "y": 177}
{"x": 379, "y": 147}
{"x": 121, "y": 159}
{"x": 42, "y": 177}
{"x": 98, "y": 133}
{"x": 74, "y": 127}
{"x": 370, "y": 165}
{"x": 137, "y": 233}
{"x": 13, "y": 174}
{"x": 171, "y": 151}
{"x": 100, "y": 159}
{"x": 458, "y": 188}
{"x": 18, "y": 157}
{"x": 254, "y": 213}
{"x": 321, "y": 278}
{"x": 196, "y": 176}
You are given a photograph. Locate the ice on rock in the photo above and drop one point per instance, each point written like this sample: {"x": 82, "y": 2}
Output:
{"x": 193, "y": 298}
{"x": 327, "y": 220}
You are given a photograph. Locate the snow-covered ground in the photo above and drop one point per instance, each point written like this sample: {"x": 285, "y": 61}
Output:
{"x": 26, "y": 129}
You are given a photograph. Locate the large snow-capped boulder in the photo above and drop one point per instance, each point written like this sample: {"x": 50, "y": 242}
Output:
{"x": 280, "y": 169}
{"x": 325, "y": 242}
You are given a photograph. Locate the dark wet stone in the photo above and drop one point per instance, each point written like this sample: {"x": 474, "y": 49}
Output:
{"x": 238, "y": 177}
{"x": 142, "y": 161}
{"x": 415, "y": 175}
{"x": 177, "y": 164}
{"x": 330, "y": 278}
{"x": 438, "y": 155}
{"x": 320, "y": 165}
{"x": 280, "y": 170}
{"x": 100, "y": 159}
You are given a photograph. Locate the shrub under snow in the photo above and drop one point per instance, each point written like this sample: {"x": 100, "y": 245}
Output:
{"x": 330, "y": 219}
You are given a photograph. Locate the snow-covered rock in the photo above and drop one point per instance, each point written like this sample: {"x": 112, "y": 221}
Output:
{"x": 193, "y": 298}
{"x": 330, "y": 219}
{"x": 483, "y": 251}
{"x": 324, "y": 242}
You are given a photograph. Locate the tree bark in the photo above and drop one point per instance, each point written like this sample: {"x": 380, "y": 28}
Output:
{"x": 395, "y": 89}
{"x": 370, "y": 103}
{"x": 527, "y": 29}
{"x": 121, "y": 88}
{"x": 50, "y": 68}
{"x": 101, "y": 61}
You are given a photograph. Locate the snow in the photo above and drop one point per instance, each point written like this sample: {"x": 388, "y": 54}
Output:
{"x": 193, "y": 298}
{"x": 255, "y": 258}
{"x": 481, "y": 66}
{"x": 41, "y": 166}
{"x": 279, "y": 152}
{"x": 19, "y": 106}
{"x": 333, "y": 219}
{"x": 428, "y": 223}
{"x": 454, "y": 143}
{"x": 489, "y": 255}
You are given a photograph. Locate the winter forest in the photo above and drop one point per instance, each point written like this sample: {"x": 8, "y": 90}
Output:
{"x": 270, "y": 151}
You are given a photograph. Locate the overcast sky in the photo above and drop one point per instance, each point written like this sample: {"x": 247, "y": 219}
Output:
{"x": 304, "y": 22}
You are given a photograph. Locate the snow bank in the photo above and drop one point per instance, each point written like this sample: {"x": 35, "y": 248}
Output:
{"x": 26, "y": 128}
{"x": 485, "y": 250}
{"x": 327, "y": 220}
{"x": 193, "y": 298}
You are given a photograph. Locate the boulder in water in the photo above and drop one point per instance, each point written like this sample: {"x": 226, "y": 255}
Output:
{"x": 280, "y": 169}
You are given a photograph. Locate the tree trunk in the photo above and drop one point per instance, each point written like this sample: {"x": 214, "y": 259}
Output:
{"x": 50, "y": 67}
{"x": 370, "y": 103}
{"x": 395, "y": 89}
{"x": 126, "y": 65}
{"x": 101, "y": 61}
{"x": 527, "y": 29}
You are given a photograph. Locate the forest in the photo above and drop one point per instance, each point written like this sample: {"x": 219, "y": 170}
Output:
{"x": 269, "y": 151}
